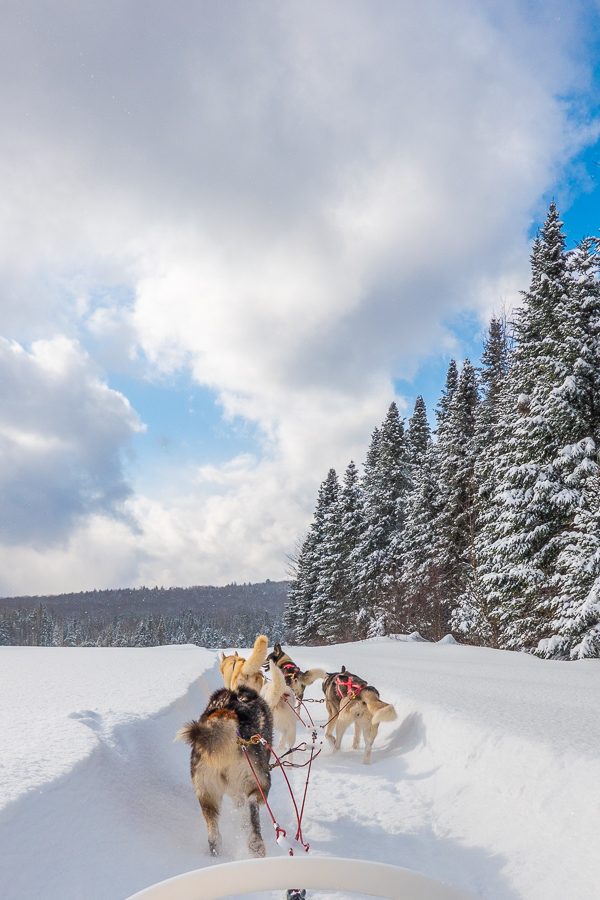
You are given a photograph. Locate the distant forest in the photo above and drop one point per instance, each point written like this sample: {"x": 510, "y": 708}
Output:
{"x": 145, "y": 617}
{"x": 489, "y": 527}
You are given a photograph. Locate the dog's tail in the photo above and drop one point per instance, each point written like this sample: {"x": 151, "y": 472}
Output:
{"x": 212, "y": 735}
{"x": 257, "y": 658}
{"x": 310, "y": 676}
{"x": 382, "y": 712}
{"x": 190, "y": 732}
{"x": 273, "y": 690}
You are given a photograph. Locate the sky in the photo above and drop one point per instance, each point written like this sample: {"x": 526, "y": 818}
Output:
{"x": 232, "y": 233}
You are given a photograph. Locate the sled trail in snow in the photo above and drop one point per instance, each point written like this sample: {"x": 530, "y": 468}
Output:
{"x": 489, "y": 780}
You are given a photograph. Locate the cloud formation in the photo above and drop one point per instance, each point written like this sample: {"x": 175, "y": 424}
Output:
{"x": 62, "y": 432}
{"x": 289, "y": 200}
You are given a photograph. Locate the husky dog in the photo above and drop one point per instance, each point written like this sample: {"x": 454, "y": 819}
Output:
{"x": 281, "y": 700}
{"x": 219, "y": 765}
{"x": 350, "y": 699}
{"x": 237, "y": 671}
{"x": 296, "y": 679}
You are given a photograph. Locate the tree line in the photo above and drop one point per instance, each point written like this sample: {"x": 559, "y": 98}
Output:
{"x": 46, "y": 627}
{"x": 489, "y": 527}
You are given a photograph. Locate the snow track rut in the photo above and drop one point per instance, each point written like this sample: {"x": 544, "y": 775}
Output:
{"x": 470, "y": 785}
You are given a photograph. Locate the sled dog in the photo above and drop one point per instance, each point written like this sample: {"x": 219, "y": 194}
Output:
{"x": 237, "y": 671}
{"x": 296, "y": 679}
{"x": 281, "y": 700}
{"x": 219, "y": 765}
{"x": 350, "y": 699}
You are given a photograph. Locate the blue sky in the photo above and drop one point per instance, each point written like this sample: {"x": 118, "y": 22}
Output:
{"x": 230, "y": 235}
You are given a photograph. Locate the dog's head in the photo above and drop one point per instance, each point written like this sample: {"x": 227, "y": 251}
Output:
{"x": 228, "y": 662}
{"x": 276, "y": 654}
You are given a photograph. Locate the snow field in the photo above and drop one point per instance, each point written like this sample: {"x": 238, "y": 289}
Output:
{"x": 489, "y": 779}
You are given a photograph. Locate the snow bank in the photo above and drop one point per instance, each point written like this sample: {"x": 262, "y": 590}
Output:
{"x": 489, "y": 780}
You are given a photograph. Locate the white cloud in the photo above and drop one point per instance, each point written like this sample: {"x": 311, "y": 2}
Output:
{"x": 291, "y": 198}
{"x": 62, "y": 431}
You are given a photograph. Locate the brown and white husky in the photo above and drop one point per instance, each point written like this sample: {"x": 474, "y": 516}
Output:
{"x": 350, "y": 699}
{"x": 219, "y": 765}
{"x": 294, "y": 677}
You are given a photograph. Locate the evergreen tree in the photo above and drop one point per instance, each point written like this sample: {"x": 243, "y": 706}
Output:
{"x": 472, "y": 618}
{"x": 574, "y": 406}
{"x": 385, "y": 484}
{"x": 521, "y": 540}
{"x": 454, "y": 542}
{"x": 419, "y": 434}
{"x": 446, "y": 398}
{"x": 421, "y": 574}
{"x": 342, "y": 530}
{"x": 303, "y": 616}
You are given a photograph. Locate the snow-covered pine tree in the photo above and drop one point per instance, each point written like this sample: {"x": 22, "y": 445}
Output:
{"x": 574, "y": 408}
{"x": 454, "y": 526}
{"x": 522, "y": 536}
{"x": 385, "y": 485}
{"x": 421, "y": 598}
{"x": 302, "y": 617}
{"x": 443, "y": 406}
{"x": 493, "y": 370}
{"x": 422, "y": 572}
{"x": 334, "y": 602}
{"x": 472, "y": 617}
{"x": 419, "y": 434}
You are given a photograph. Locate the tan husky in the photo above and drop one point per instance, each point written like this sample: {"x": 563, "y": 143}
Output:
{"x": 349, "y": 699}
{"x": 237, "y": 671}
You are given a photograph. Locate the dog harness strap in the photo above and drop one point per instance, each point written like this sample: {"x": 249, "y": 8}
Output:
{"x": 291, "y": 666}
{"x": 351, "y": 688}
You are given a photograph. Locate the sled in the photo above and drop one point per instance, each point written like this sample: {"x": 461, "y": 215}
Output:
{"x": 313, "y": 873}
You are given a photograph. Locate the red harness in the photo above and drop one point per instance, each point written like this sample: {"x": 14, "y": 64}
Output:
{"x": 291, "y": 674}
{"x": 353, "y": 690}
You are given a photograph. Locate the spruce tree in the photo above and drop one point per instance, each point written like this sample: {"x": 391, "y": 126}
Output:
{"x": 574, "y": 406}
{"x": 419, "y": 434}
{"x": 304, "y": 608}
{"x": 443, "y": 406}
{"x": 336, "y": 603}
{"x": 454, "y": 526}
{"x": 472, "y": 617}
{"x": 521, "y": 539}
{"x": 385, "y": 484}
{"x": 421, "y": 575}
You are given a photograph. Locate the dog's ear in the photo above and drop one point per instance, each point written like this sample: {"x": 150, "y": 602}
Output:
{"x": 235, "y": 654}
{"x": 223, "y": 657}
{"x": 277, "y": 648}
{"x": 343, "y": 670}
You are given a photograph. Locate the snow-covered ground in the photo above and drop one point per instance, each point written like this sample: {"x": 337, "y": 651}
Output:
{"x": 489, "y": 780}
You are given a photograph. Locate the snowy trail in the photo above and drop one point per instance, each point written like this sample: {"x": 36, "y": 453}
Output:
{"x": 489, "y": 780}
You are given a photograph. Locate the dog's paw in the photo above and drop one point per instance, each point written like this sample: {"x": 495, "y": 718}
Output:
{"x": 257, "y": 848}
{"x": 215, "y": 848}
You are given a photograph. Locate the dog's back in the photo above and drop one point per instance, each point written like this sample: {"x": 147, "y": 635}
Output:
{"x": 218, "y": 763}
{"x": 351, "y": 699}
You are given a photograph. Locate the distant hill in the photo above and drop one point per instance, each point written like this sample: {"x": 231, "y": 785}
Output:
{"x": 218, "y": 603}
